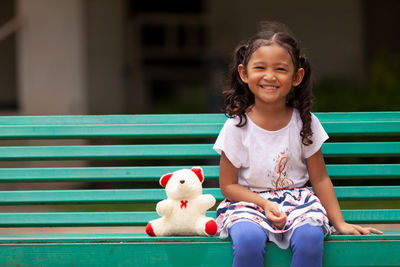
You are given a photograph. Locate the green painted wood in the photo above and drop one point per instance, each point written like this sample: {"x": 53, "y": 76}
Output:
{"x": 13, "y": 153}
{"x": 388, "y": 216}
{"x": 143, "y": 238}
{"x": 386, "y": 236}
{"x": 358, "y": 116}
{"x": 111, "y": 131}
{"x": 141, "y": 218}
{"x": 108, "y": 152}
{"x": 124, "y": 119}
{"x": 153, "y": 195}
{"x": 181, "y": 118}
{"x": 364, "y": 171}
{"x": 368, "y": 192}
{"x": 55, "y": 219}
{"x": 171, "y": 130}
{"x": 153, "y": 173}
{"x": 364, "y": 128}
{"x": 141, "y": 250}
{"x": 182, "y": 125}
{"x": 210, "y": 252}
{"x": 87, "y": 196}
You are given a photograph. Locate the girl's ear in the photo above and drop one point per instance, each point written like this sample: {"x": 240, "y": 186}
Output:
{"x": 242, "y": 73}
{"x": 298, "y": 77}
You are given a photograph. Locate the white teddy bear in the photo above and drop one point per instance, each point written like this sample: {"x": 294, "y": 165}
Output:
{"x": 183, "y": 212}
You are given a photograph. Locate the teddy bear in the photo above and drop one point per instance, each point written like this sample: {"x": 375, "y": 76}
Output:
{"x": 183, "y": 212}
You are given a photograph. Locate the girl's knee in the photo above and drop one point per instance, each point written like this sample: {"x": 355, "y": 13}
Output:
{"x": 249, "y": 242}
{"x": 248, "y": 233}
{"x": 308, "y": 239}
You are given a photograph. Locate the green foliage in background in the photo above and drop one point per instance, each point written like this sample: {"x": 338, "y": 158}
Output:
{"x": 379, "y": 92}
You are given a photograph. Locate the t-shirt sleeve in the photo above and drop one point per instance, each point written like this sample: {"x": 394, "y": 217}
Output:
{"x": 230, "y": 142}
{"x": 319, "y": 136}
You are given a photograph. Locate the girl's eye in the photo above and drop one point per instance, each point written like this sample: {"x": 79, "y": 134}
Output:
{"x": 259, "y": 67}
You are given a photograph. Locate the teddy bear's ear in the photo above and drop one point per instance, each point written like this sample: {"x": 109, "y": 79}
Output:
{"x": 199, "y": 172}
{"x": 164, "y": 179}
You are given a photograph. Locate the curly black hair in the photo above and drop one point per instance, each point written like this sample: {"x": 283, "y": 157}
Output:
{"x": 238, "y": 97}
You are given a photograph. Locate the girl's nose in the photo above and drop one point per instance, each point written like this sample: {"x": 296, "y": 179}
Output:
{"x": 268, "y": 76}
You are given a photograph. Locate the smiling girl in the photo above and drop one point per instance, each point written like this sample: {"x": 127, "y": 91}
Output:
{"x": 270, "y": 147}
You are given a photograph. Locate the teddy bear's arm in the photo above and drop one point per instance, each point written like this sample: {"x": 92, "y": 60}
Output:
{"x": 206, "y": 201}
{"x": 164, "y": 207}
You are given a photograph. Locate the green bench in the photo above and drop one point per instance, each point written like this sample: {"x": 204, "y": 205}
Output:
{"x": 126, "y": 155}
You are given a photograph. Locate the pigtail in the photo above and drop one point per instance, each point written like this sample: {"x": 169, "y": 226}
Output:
{"x": 302, "y": 98}
{"x": 237, "y": 97}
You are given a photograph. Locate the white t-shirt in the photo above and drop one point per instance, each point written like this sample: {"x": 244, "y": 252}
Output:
{"x": 269, "y": 160}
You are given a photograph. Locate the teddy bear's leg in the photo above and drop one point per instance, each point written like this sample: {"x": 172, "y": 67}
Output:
{"x": 211, "y": 227}
{"x": 149, "y": 230}
{"x": 206, "y": 226}
{"x": 157, "y": 227}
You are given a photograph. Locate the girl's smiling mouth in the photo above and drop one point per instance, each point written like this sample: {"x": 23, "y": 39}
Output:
{"x": 269, "y": 87}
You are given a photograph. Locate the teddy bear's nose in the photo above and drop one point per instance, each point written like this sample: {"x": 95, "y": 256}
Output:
{"x": 182, "y": 181}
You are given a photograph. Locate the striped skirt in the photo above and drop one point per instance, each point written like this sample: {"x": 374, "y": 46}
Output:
{"x": 300, "y": 205}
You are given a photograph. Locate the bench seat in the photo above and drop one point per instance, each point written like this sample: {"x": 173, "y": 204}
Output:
{"x": 142, "y": 250}
{"x": 115, "y": 161}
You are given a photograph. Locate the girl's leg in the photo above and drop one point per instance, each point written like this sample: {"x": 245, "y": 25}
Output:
{"x": 249, "y": 241}
{"x": 307, "y": 243}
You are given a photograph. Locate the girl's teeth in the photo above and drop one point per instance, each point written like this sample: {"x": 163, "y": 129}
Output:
{"x": 269, "y": 87}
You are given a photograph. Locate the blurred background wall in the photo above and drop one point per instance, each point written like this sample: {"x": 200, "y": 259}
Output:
{"x": 137, "y": 56}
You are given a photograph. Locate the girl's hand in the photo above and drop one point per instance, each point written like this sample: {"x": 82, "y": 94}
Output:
{"x": 352, "y": 229}
{"x": 274, "y": 215}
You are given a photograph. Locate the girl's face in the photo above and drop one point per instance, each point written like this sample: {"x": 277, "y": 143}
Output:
{"x": 270, "y": 74}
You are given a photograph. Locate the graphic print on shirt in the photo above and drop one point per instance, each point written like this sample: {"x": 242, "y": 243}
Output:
{"x": 282, "y": 181}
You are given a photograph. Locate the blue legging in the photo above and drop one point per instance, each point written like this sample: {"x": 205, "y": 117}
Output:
{"x": 249, "y": 241}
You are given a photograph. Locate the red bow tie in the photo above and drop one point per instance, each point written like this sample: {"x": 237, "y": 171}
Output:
{"x": 184, "y": 204}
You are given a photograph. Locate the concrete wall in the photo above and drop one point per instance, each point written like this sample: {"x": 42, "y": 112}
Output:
{"x": 51, "y": 57}
{"x": 105, "y": 56}
{"x": 72, "y": 54}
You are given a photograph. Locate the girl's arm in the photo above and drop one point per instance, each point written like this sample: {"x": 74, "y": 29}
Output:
{"x": 228, "y": 181}
{"x": 323, "y": 188}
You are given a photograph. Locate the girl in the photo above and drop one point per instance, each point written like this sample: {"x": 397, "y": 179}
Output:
{"x": 270, "y": 147}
